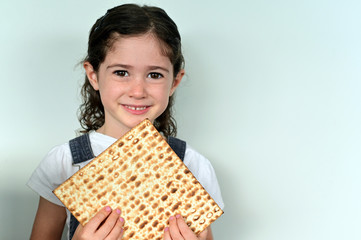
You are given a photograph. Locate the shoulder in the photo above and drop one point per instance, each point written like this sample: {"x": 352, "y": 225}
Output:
{"x": 59, "y": 155}
{"x": 198, "y": 164}
{"x": 193, "y": 159}
{"x": 204, "y": 172}
{"x": 54, "y": 169}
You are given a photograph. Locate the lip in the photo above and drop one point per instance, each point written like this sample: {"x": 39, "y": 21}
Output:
{"x": 136, "y": 109}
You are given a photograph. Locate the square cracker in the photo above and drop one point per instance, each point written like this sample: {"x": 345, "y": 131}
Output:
{"x": 143, "y": 176}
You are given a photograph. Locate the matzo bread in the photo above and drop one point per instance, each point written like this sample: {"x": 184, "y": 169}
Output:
{"x": 141, "y": 175}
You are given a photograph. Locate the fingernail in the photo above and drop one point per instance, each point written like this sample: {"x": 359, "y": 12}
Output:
{"x": 108, "y": 209}
{"x": 178, "y": 216}
{"x": 118, "y": 211}
{"x": 171, "y": 218}
{"x": 121, "y": 219}
{"x": 166, "y": 229}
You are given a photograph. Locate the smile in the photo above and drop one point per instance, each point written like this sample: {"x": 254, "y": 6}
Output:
{"x": 135, "y": 108}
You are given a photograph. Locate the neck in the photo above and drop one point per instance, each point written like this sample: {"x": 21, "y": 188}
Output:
{"x": 112, "y": 132}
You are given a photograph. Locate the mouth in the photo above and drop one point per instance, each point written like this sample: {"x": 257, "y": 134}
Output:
{"x": 137, "y": 109}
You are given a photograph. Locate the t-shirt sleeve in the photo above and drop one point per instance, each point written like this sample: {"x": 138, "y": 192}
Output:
{"x": 51, "y": 172}
{"x": 203, "y": 170}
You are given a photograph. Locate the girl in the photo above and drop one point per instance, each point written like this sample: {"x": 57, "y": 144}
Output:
{"x": 133, "y": 66}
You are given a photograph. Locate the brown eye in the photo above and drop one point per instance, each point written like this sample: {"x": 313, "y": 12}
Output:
{"x": 121, "y": 73}
{"x": 155, "y": 75}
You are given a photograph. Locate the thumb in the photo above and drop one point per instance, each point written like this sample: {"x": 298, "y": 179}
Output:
{"x": 203, "y": 235}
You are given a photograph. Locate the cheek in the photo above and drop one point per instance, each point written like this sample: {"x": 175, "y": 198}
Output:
{"x": 163, "y": 93}
{"x": 170, "y": 87}
{"x": 109, "y": 92}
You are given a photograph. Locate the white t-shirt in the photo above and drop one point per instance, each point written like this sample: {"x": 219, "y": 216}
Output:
{"x": 57, "y": 166}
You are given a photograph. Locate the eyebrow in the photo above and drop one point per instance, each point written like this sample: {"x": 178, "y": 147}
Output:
{"x": 119, "y": 65}
{"x": 130, "y": 67}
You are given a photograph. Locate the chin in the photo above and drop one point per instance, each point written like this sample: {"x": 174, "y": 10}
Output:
{"x": 135, "y": 122}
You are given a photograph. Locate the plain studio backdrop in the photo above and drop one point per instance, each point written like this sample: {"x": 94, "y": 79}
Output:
{"x": 271, "y": 97}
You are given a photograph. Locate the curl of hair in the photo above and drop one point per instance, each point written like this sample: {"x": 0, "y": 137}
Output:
{"x": 129, "y": 20}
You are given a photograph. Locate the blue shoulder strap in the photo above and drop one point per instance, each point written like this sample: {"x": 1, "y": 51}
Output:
{"x": 178, "y": 146}
{"x": 81, "y": 151}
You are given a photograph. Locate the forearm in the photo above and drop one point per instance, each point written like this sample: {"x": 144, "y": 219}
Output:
{"x": 49, "y": 221}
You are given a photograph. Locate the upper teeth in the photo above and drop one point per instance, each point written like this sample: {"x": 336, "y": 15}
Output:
{"x": 136, "y": 108}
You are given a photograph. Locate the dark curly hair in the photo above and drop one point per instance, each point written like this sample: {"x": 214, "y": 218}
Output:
{"x": 129, "y": 19}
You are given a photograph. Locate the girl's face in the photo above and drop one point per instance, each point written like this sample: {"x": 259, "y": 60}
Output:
{"x": 135, "y": 82}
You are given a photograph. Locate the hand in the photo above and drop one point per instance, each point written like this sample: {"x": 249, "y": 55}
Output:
{"x": 105, "y": 225}
{"x": 179, "y": 230}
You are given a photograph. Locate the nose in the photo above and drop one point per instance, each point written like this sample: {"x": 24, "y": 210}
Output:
{"x": 137, "y": 88}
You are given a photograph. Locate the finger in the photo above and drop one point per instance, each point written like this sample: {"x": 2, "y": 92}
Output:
{"x": 109, "y": 224}
{"x": 97, "y": 220}
{"x": 121, "y": 220}
{"x": 174, "y": 229}
{"x": 117, "y": 231}
{"x": 78, "y": 231}
{"x": 186, "y": 232}
{"x": 203, "y": 235}
{"x": 166, "y": 234}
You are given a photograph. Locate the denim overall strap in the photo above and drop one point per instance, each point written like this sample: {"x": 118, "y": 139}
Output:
{"x": 178, "y": 146}
{"x": 81, "y": 151}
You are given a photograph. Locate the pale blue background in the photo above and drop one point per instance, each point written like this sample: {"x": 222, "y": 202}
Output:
{"x": 271, "y": 97}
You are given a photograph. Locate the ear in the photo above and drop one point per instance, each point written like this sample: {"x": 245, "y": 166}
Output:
{"x": 92, "y": 75}
{"x": 177, "y": 80}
